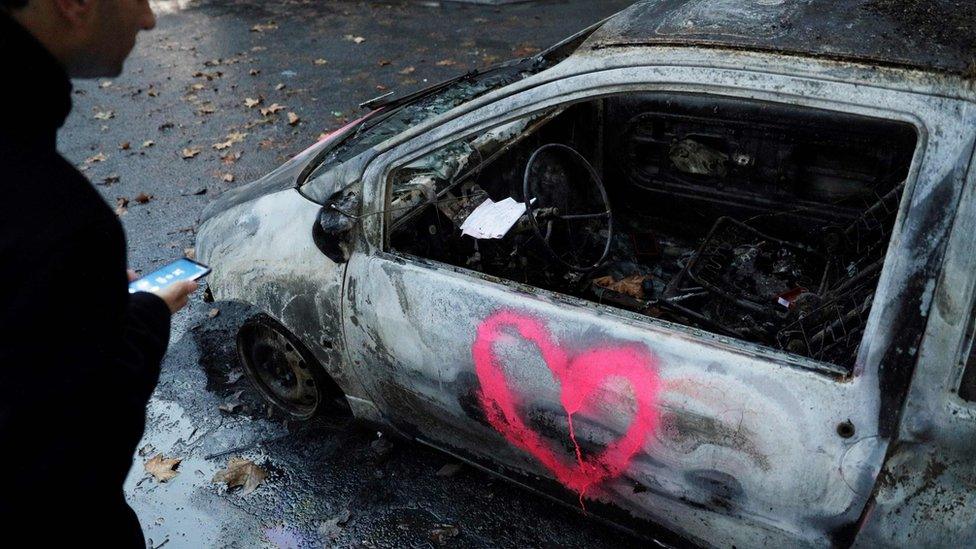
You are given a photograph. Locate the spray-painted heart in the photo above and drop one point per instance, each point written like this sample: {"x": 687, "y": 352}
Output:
{"x": 579, "y": 376}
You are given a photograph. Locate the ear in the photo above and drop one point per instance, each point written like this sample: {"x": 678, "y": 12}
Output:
{"x": 75, "y": 11}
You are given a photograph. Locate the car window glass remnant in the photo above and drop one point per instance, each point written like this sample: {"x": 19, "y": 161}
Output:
{"x": 764, "y": 222}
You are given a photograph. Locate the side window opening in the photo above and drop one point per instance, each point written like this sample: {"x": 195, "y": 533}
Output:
{"x": 764, "y": 222}
{"x": 967, "y": 386}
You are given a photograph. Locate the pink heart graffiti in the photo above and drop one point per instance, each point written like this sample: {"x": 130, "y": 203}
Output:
{"x": 579, "y": 376}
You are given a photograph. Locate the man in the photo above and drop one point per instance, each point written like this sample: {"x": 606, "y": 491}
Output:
{"x": 79, "y": 356}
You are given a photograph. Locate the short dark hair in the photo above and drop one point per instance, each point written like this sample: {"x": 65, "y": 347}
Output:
{"x": 10, "y": 4}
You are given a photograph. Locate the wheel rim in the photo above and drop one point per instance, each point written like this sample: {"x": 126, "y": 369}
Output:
{"x": 278, "y": 370}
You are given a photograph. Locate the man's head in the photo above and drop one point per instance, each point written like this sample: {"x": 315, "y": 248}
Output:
{"x": 90, "y": 38}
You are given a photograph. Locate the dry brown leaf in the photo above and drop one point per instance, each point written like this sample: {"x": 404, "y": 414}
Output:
{"x": 269, "y": 26}
{"x": 230, "y": 158}
{"x": 104, "y": 115}
{"x": 125, "y": 146}
{"x": 409, "y": 70}
{"x": 197, "y": 87}
{"x": 384, "y": 62}
{"x": 142, "y": 198}
{"x": 446, "y": 63}
{"x": 320, "y": 61}
{"x": 189, "y": 253}
{"x": 148, "y": 143}
{"x": 632, "y": 285}
{"x": 189, "y": 152}
{"x": 100, "y": 157}
{"x": 254, "y": 72}
{"x": 241, "y": 472}
{"x": 251, "y": 102}
{"x": 161, "y": 468}
{"x": 272, "y": 109}
{"x": 293, "y": 119}
{"x": 120, "y": 205}
{"x": 207, "y": 108}
{"x": 152, "y": 92}
{"x": 227, "y": 178}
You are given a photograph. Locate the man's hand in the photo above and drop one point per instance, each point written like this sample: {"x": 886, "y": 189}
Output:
{"x": 177, "y": 294}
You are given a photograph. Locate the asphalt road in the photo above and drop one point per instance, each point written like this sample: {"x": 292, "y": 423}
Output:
{"x": 179, "y": 127}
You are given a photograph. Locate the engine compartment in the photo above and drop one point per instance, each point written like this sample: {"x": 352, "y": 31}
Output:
{"x": 760, "y": 221}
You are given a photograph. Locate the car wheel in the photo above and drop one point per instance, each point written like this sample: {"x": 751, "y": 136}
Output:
{"x": 283, "y": 370}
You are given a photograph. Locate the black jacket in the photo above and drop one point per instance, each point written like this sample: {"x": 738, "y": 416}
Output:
{"x": 79, "y": 356}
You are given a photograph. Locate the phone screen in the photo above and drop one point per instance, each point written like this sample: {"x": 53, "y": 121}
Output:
{"x": 181, "y": 269}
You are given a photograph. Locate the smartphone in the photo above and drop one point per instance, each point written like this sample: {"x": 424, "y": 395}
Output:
{"x": 181, "y": 269}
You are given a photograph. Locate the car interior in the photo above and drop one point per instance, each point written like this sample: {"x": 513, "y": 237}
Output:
{"x": 760, "y": 221}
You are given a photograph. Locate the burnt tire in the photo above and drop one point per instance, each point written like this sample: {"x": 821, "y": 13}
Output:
{"x": 283, "y": 370}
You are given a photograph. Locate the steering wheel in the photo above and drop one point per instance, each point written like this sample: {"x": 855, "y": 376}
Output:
{"x": 563, "y": 197}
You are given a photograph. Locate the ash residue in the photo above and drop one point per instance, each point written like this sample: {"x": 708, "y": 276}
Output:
{"x": 949, "y": 24}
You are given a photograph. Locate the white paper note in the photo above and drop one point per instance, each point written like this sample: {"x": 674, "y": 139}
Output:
{"x": 493, "y": 219}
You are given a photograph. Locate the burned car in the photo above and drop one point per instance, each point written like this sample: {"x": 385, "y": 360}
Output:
{"x": 705, "y": 269}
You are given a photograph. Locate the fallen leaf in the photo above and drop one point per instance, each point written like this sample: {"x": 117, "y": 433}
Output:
{"x": 356, "y": 39}
{"x": 212, "y": 313}
{"x": 142, "y": 198}
{"x": 241, "y": 472}
{"x": 409, "y": 70}
{"x": 148, "y": 143}
{"x": 161, "y": 468}
{"x": 207, "y": 108}
{"x": 273, "y": 108}
{"x": 197, "y": 87}
{"x": 320, "y": 61}
{"x": 105, "y": 84}
{"x": 100, "y": 157}
{"x": 251, "y": 102}
{"x": 120, "y": 205}
{"x": 381, "y": 87}
{"x": 632, "y": 285}
{"x": 254, "y": 72}
{"x": 293, "y": 119}
{"x": 269, "y": 26}
{"x": 151, "y": 92}
{"x": 189, "y": 253}
{"x": 199, "y": 191}
{"x": 230, "y": 158}
{"x": 189, "y": 152}
{"x": 446, "y": 63}
{"x": 384, "y": 62}
{"x": 125, "y": 146}
{"x": 111, "y": 179}
{"x": 227, "y": 178}
{"x": 258, "y": 48}
{"x": 104, "y": 115}
{"x": 280, "y": 87}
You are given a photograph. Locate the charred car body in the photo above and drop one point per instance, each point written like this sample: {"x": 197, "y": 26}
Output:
{"x": 735, "y": 299}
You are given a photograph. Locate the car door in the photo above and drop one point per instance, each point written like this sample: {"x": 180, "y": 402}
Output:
{"x": 725, "y": 442}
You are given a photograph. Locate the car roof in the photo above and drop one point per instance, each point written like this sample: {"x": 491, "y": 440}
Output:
{"x": 932, "y": 35}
